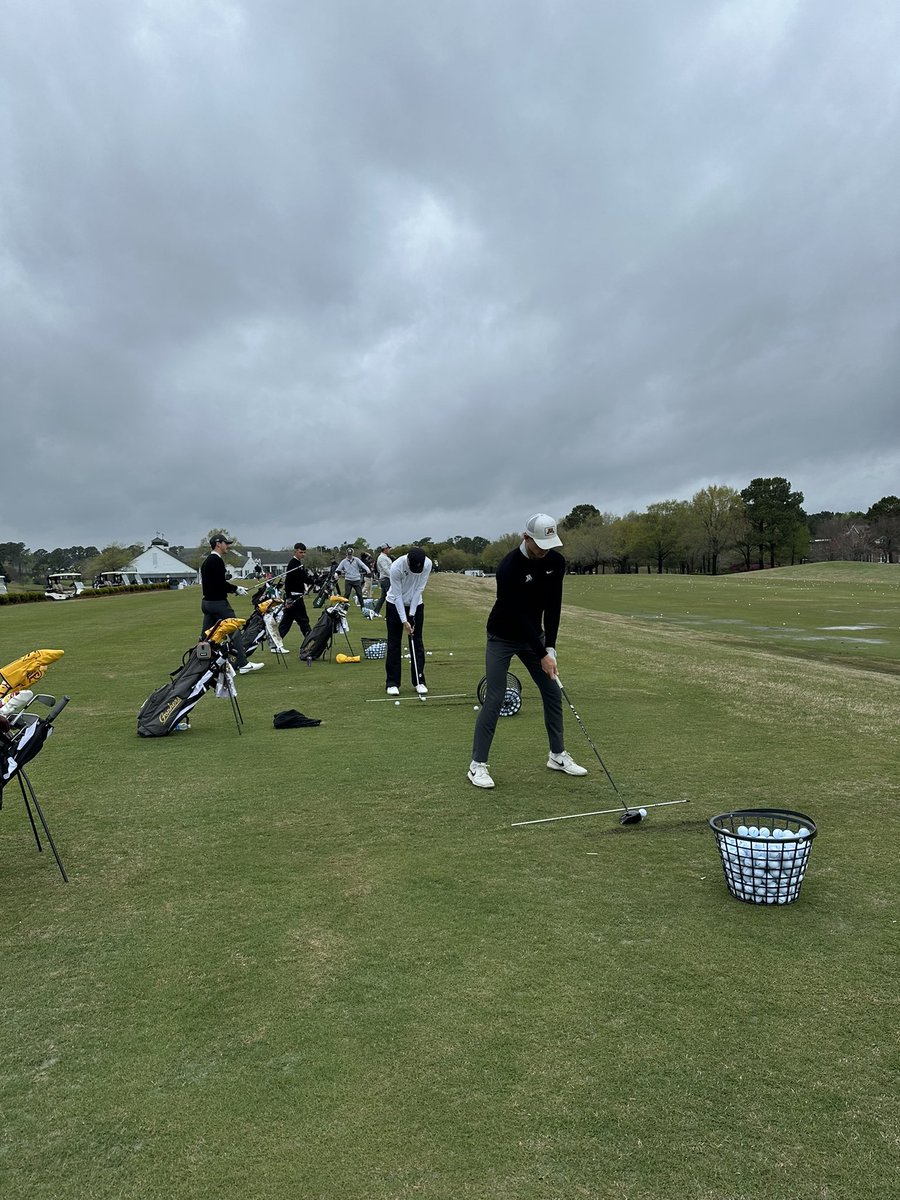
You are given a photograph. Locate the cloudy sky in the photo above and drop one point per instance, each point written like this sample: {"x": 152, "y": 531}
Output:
{"x": 325, "y": 268}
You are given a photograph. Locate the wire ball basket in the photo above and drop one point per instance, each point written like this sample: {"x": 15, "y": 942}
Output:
{"x": 765, "y": 852}
{"x": 512, "y": 699}
{"x": 374, "y": 647}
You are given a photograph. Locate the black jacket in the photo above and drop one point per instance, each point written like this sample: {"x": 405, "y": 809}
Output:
{"x": 296, "y": 578}
{"x": 529, "y": 599}
{"x": 213, "y": 580}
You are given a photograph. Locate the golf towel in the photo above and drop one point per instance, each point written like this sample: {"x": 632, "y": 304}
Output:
{"x": 291, "y": 719}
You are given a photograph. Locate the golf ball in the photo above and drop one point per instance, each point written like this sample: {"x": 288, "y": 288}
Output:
{"x": 643, "y": 812}
{"x": 742, "y": 831}
{"x": 475, "y": 708}
{"x": 397, "y": 702}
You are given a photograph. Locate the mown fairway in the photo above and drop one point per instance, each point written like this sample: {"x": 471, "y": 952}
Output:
{"x": 317, "y": 963}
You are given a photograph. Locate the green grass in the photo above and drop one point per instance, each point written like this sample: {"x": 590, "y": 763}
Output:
{"x": 318, "y": 963}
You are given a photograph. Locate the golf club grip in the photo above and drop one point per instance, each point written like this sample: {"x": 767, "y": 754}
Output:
{"x": 56, "y": 709}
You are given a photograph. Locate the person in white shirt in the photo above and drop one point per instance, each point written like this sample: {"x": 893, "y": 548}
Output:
{"x": 383, "y": 572}
{"x": 405, "y": 613}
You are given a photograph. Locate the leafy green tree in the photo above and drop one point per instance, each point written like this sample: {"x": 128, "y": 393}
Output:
{"x": 498, "y": 549}
{"x": 664, "y": 525}
{"x": 589, "y": 546}
{"x": 627, "y": 542}
{"x": 579, "y": 515}
{"x": 15, "y": 557}
{"x": 719, "y": 511}
{"x": 111, "y": 558}
{"x": 884, "y": 520}
{"x": 773, "y": 512}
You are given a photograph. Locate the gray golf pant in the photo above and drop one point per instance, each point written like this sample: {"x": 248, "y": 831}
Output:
{"x": 498, "y": 655}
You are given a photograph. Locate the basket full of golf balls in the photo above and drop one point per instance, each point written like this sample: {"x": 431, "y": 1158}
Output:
{"x": 764, "y": 852}
{"x": 374, "y": 647}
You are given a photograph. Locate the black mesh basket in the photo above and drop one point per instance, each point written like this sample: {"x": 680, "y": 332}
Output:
{"x": 764, "y": 853}
{"x": 512, "y": 701}
{"x": 374, "y": 647}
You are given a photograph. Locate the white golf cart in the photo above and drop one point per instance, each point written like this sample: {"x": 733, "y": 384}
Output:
{"x": 64, "y": 585}
{"x": 116, "y": 579}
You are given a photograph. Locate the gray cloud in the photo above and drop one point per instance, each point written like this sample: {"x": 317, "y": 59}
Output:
{"x": 398, "y": 270}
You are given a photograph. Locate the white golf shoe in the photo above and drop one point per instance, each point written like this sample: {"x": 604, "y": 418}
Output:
{"x": 250, "y": 666}
{"x": 480, "y": 775}
{"x": 565, "y": 762}
{"x": 393, "y": 691}
{"x": 421, "y": 689}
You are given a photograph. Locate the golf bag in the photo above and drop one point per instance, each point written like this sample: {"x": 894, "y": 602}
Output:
{"x": 22, "y": 738}
{"x": 204, "y": 666}
{"x": 324, "y": 588}
{"x": 262, "y": 623}
{"x": 333, "y": 620}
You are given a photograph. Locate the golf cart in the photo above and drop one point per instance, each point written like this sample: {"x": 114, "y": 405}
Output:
{"x": 64, "y": 585}
{"x": 116, "y": 579}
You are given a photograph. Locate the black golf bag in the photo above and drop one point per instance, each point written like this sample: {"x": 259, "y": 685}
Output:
{"x": 203, "y": 667}
{"x": 333, "y": 620}
{"x": 260, "y": 625}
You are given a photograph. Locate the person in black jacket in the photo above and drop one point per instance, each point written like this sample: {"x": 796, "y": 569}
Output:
{"x": 296, "y": 580}
{"x": 524, "y": 622}
{"x": 215, "y": 605}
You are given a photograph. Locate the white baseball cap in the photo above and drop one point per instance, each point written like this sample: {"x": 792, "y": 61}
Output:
{"x": 541, "y": 528}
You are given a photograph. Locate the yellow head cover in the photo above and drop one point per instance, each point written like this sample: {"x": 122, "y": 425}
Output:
{"x": 342, "y": 658}
{"x": 225, "y": 629}
{"x": 23, "y": 672}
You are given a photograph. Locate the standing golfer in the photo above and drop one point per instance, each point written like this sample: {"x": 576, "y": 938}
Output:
{"x": 296, "y": 580}
{"x": 524, "y": 622}
{"x": 353, "y": 569}
{"x": 215, "y": 605}
{"x": 383, "y": 567}
{"x": 405, "y": 613}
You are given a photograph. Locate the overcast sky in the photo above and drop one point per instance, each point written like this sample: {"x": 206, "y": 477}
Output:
{"x": 319, "y": 268}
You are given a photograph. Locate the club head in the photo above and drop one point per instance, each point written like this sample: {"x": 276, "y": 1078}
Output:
{"x": 631, "y": 817}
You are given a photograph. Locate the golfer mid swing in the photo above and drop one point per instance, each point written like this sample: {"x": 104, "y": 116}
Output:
{"x": 524, "y": 622}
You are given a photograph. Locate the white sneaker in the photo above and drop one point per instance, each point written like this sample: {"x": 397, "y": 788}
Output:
{"x": 421, "y": 689}
{"x": 480, "y": 775}
{"x": 565, "y": 762}
{"x": 250, "y": 666}
{"x": 393, "y": 691}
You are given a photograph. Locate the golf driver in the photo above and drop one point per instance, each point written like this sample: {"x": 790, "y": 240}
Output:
{"x": 631, "y": 816}
{"x": 412, "y": 655}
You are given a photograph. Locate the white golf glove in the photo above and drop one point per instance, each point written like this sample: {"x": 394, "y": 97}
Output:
{"x": 551, "y": 652}
{"x": 242, "y": 591}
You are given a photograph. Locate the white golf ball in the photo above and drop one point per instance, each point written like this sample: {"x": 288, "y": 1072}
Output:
{"x": 765, "y": 831}
{"x": 397, "y": 702}
{"x": 451, "y": 653}
{"x": 475, "y": 708}
{"x": 802, "y": 831}
{"x": 643, "y": 812}
{"x": 743, "y": 831}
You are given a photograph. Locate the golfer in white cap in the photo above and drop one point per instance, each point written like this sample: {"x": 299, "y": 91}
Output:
{"x": 524, "y": 622}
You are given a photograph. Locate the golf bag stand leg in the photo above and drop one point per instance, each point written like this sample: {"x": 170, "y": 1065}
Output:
{"x": 23, "y": 782}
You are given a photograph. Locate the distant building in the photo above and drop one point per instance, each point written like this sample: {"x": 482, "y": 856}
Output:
{"x": 157, "y": 565}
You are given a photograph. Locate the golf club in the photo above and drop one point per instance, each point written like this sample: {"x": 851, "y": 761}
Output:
{"x": 631, "y": 816}
{"x": 601, "y": 812}
{"x": 412, "y": 655}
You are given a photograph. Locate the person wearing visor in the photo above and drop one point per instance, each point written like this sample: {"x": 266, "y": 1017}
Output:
{"x": 405, "y": 613}
{"x": 524, "y": 622}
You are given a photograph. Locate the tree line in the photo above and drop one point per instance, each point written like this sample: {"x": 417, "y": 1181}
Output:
{"x": 718, "y": 529}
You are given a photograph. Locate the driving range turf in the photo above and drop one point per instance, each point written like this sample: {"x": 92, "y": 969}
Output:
{"x": 318, "y": 963}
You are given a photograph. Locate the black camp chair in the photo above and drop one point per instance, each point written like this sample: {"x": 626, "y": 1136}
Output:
{"x": 20, "y": 742}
